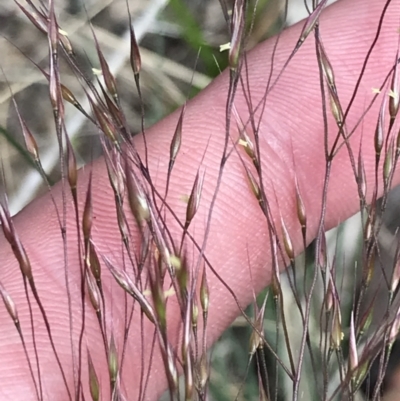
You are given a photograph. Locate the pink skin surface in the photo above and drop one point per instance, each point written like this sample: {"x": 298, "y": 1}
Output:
{"x": 291, "y": 139}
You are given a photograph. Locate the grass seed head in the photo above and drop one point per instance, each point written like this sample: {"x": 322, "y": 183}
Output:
{"x": 135, "y": 58}
{"x": 204, "y": 292}
{"x": 72, "y": 171}
{"x": 311, "y": 22}
{"x": 395, "y": 327}
{"x": 336, "y": 329}
{"x": 93, "y": 380}
{"x": 93, "y": 292}
{"x": 87, "y": 218}
{"x": 137, "y": 199}
{"x": 255, "y": 188}
{"x": 301, "y": 209}
{"x": 9, "y": 304}
{"x": 94, "y": 262}
{"x": 365, "y": 321}
{"x": 394, "y": 100}
{"x": 194, "y": 198}
{"x": 237, "y": 26}
{"x": 195, "y": 314}
{"x": 353, "y": 356}
{"x": 176, "y": 141}
{"x": 388, "y": 164}
{"x": 113, "y": 366}
{"x": 336, "y": 108}
{"x": 287, "y": 242}
{"x": 327, "y": 68}
{"x": 380, "y": 129}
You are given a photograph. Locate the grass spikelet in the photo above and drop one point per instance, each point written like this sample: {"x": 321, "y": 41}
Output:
{"x": 122, "y": 225}
{"x": 113, "y": 366}
{"x": 388, "y": 165}
{"x": 310, "y": 23}
{"x": 94, "y": 295}
{"x": 30, "y": 141}
{"x": 361, "y": 181}
{"x": 94, "y": 264}
{"x": 161, "y": 242}
{"x": 301, "y": 211}
{"x": 135, "y": 59}
{"x": 395, "y": 327}
{"x": 194, "y": 198}
{"x": 15, "y": 243}
{"x": 107, "y": 126}
{"x": 287, "y": 242}
{"x": 327, "y": 68}
{"x": 12, "y": 311}
{"x": 182, "y": 276}
{"x": 255, "y": 188}
{"x": 93, "y": 380}
{"x": 5, "y": 223}
{"x": 329, "y": 296}
{"x": 204, "y": 294}
{"x": 353, "y": 356}
{"x": 72, "y": 170}
{"x": 160, "y": 306}
{"x": 248, "y": 147}
{"x": 87, "y": 218}
{"x": 176, "y": 141}
{"x": 365, "y": 322}
{"x": 54, "y": 76}
{"x": 205, "y": 304}
{"x": 115, "y": 113}
{"x": 109, "y": 79}
{"x": 202, "y": 376}
{"x": 256, "y": 339}
{"x": 127, "y": 285}
{"x": 370, "y": 267}
{"x": 137, "y": 198}
{"x": 336, "y": 330}
{"x": 195, "y": 316}
{"x": 336, "y": 108}
{"x": 323, "y": 253}
{"x": 66, "y": 43}
{"x": 395, "y": 274}
{"x": 186, "y": 351}
{"x": 237, "y": 27}
{"x": 394, "y": 99}
{"x": 36, "y": 17}
{"x": 379, "y": 131}
{"x": 9, "y": 304}
{"x": 171, "y": 370}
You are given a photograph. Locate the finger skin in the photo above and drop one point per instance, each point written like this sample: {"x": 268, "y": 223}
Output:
{"x": 291, "y": 139}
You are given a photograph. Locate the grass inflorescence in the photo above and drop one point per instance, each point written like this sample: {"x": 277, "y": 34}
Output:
{"x": 136, "y": 280}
